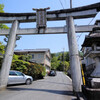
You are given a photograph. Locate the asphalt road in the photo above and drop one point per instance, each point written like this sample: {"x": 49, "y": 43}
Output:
{"x": 50, "y": 88}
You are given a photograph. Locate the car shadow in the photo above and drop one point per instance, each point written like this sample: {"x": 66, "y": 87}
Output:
{"x": 15, "y": 84}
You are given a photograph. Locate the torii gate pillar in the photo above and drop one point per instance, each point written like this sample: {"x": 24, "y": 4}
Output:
{"x": 74, "y": 56}
{"x": 6, "y": 64}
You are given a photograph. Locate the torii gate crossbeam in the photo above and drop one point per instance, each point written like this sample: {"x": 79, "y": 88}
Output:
{"x": 50, "y": 30}
{"x": 77, "y": 13}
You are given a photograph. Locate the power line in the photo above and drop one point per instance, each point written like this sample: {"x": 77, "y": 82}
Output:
{"x": 91, "y": 21}
{"x": 61, "y": 4}
{"x": 65, "y": 3}
{"x": 88, "y": 24}
{"x": 69, "y": 3}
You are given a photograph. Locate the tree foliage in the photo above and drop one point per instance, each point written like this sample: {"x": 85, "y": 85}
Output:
{"x": 64, "y": 56}
{"x": 63, "y": 66}
{"x": 2, "y": 51}
{"x": 2, "y": 26}
{"x": 60, "y": 61}
{"x": 20, "y": 63}
{"x": 2, "y": 48}
{"x": 1, "y": 8}
{"x": 54, "y": 62}
{"x": 36, "y": 71}
{"x": 24, "y": 57}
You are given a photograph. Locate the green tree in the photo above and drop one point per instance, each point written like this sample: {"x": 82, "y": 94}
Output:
{"x": 66, "y": 56}
{"x": 24, "y": 57}
{"x": 80, "y": 54}
{"x": 2, "y": 26}
{"x": 60, "y": 61}
{"x": 1, "y": 8}
{"x": 35, "y": 70}
{"x": 15, "y": 57}
{"x": 54, "y": 62}
{"x": 63, "y": 66}
{"x": 2, "y": 51}
{"x": 20, "y": 65}
{"x": 60, "y": 57}
{"x": 53, "y": 55}
{"x": 66, "y": 65}
{"x": 2, "y": 48}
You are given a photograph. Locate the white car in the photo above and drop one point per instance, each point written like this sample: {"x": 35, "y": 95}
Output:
{"x": 16, "y": 77}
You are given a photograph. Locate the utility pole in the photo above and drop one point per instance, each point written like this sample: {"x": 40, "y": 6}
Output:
{"x": 70, "y": 3}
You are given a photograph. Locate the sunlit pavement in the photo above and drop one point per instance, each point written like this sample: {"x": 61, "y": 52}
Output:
{"x": 50, "y": 88}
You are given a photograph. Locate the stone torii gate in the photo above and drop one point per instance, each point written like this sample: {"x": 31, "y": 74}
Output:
{"x": 41, "y": 17}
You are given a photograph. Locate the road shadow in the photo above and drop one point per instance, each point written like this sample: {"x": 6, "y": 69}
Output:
{"x": 70, "y": 93}
{"x": 55, "y": 83}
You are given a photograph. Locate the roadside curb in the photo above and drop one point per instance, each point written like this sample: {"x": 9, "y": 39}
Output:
{"x": 79, "y": 96}
{"x": 68, "y": 77}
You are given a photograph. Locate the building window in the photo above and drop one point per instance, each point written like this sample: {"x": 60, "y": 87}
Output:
{"x": 40, "y": 55}
{"x": 32, "y": 56}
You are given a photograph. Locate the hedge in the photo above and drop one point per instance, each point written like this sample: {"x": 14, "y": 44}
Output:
{"x": 35, "y": 70}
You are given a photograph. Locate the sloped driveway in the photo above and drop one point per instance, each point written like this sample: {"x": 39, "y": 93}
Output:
{"x": 50, "y": 88}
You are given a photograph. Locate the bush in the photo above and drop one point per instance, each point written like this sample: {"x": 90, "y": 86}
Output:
{"x": 35, "y": 70}
{"x": 20, "y": 65}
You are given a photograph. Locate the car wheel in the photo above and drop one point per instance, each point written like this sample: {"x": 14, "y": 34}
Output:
{"x": 28, "y": 81}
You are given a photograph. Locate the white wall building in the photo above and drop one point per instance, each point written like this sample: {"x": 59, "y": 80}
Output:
{"x": 40, "y": 56}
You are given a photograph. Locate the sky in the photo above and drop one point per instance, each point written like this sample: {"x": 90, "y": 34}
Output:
{"x": 55, "y": 42}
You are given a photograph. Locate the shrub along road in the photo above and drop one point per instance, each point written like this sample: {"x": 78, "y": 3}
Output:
{"x": 51, "y": 88}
